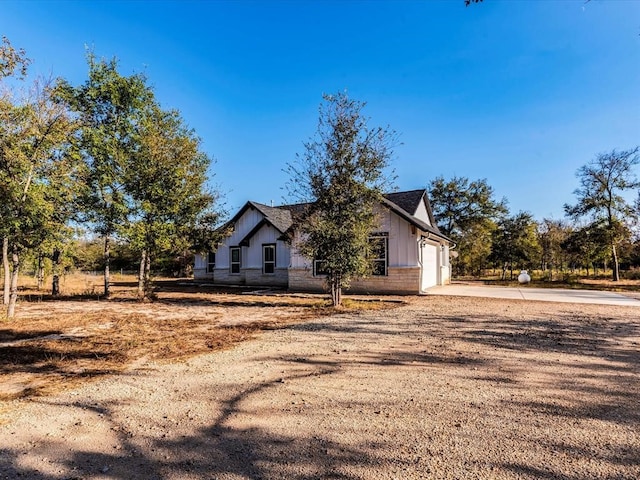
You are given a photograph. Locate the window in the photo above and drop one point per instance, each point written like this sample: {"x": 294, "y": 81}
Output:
{"x": 234, "y": 264}
{"x": 268, "y": 258}
{"x": 211, "y": 262}
{"x": 378, "y": 254}
{"x": 319, "y": 268}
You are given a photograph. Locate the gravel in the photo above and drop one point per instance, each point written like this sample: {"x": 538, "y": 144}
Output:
{"x": 442, "y": 388}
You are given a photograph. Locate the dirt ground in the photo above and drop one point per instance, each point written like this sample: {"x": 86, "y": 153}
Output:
{"x": 441, "y": 387}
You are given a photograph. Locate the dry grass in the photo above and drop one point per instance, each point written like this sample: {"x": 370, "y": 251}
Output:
{"x": 56, "y": 343}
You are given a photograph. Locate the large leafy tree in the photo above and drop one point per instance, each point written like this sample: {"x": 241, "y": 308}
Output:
{"x": 166, "y": 180}
{"x": 586, "y": 246}
{"x": 342, "y": 173}
{"x": 12, "y": 63}
{"x": 109, "y": 108}
{"x": 467, "y": 211}
{"x": 515, "y": 243}
{"x": 551, "y": 235}
{"x": 603, "y": 181}
{"x": 35, "y": 174}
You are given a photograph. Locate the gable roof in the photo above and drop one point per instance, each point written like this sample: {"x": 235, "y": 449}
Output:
{"x": 402, "y": 213}
{"x": 409, "y": 202}
{"x": 284, "y": 217}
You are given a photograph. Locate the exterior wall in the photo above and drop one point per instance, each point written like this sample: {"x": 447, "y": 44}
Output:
{"x": 422, "y": 214}
{"x": 403, "y": 273}
{"x": 402, "y": 247}
{"x": 224, "y": 277}
{"x": 254, "y": 276}
{"x": 400, "y": 281}
{"x": 253, "y": 253}
{"x": 242, "y": 227}
{"x": 413, "y": 263}
{"x": 302, "y": 280}
{"x": 200, "y": 268}
{"x": 250, "y": 257}
{"x": 445, "y": 267}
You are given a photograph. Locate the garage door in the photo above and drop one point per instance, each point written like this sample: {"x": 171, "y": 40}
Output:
{"x": 429, "y": 266}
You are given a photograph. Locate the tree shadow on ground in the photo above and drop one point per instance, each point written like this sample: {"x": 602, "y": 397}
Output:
{"x": 39, "y": 359}
{"x": 11, "y": 335}
{"x": 217, "y": 450}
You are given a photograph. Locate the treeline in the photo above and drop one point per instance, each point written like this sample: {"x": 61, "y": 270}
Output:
{"x": 599, "y": 231}
{"x": 102, "y": 158}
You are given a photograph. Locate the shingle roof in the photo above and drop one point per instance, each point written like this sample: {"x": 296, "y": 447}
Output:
{"x": 279, "y": 217}
{"x": 408, "y": 201}
{"x": 413, "y": 220}
{"x": 284, "y": 217}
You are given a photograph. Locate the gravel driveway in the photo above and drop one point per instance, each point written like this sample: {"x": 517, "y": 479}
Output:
{"x": 443, "y": 388}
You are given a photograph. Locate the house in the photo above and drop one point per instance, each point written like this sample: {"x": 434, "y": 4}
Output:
{"x": 261, "y": 250}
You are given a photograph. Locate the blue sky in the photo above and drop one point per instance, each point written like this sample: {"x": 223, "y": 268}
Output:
{"x": 521, "y": 93}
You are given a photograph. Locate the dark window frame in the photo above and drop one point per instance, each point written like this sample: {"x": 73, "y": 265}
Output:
{"x": 233, "y": 264}
{"x": 211, "y": 265}
{"x": 380, "y": 264}
{"x": 268, "y": 264}
{"x": 319, "y": 271}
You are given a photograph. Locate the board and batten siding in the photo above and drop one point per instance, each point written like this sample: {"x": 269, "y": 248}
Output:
{"x": 403, "y": 274}
{"x": 266, "y": 235}
{"x": 422, "y": 214}
{"x": 402, "y": 249}
{"x": 416, "y": 260}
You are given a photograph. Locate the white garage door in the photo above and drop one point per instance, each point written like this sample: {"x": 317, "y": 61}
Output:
{"x": 429, "y": 266}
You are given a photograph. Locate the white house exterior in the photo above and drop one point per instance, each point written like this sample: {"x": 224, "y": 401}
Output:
{"x": 261, "y": 250}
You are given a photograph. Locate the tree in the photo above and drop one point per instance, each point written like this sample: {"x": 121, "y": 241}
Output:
{"x": 12, "y": 61}
{"x": 35, "y": 146}
{"x": 602, "y": 183}
{"x": 342, "y": 175}
{"x": 165, "y": 179}
{"x": 585, "y": 246}
{"x": 109, "y": 107}
{"x": 515, "y": 242}
{"x": 551, "y": 235}
{"x": 466, "y": 212}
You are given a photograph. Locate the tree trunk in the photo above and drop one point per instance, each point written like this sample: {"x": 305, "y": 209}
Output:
{"x": 13, "y": 295}
{"x": 615, "y": 266}
{"x": 5, "y": 266}
{"x": 55, "y": 282}
{"x": 336, "y": 290}
{"x": 107, "y": 259}
{"x": 40, "y": 271}
{"x": 143, "y": 261}
{"x": 147, "y": 276}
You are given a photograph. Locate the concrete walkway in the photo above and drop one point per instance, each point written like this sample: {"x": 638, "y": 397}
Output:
{"x": 538, "y": 294}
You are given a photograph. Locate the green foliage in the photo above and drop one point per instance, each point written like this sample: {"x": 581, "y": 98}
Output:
{"x": 165, "y": 180}
{"x": 38, "y": 168}
{"x": 551, "y": 236}
{"x": 342, "y": 175}
{"x": 585, "y": 246}
{"x": 515, "y": 243}
{"x": 108, "y": 106}
{"x": 466, "y": 212}
{"x": 599, "y": 196}
{"x": 12, "y": 61}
